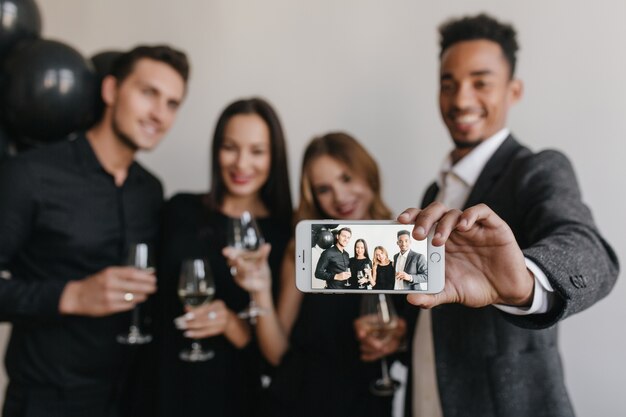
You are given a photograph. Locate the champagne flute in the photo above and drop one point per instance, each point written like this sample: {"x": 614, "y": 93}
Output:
{"x": 139, "y": 256}
{"x": 360, "y": 277}
{"x": 195, "y": 288}
{"x": 367, "y": 271}
{"x": 347, "y": 283}
{"x": 381, "y": 321}
{"x": 244, "y": 236}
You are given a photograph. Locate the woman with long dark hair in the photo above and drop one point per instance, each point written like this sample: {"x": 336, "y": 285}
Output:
{"x": 360, "y": 266}
{"x": 248, "y": 174}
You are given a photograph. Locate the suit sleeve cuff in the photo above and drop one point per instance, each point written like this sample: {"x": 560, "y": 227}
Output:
{"x": 543, "y": 294}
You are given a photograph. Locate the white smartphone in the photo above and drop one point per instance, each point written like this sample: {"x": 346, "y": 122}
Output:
{"x": 366, "y": 256}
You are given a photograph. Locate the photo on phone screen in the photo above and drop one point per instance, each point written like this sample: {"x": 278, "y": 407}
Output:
{"x": 348, "y": 256}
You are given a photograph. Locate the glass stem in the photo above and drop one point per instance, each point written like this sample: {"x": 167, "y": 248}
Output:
{"x": 195, "y": 346}
{"x": 385, "y": 370}
{"x": 253, "y": 311}
{"x": 135, "y": 319}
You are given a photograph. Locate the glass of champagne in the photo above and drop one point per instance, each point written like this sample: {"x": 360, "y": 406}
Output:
{"x": 195, "y": 288}
{"x": 381, "y": 320}
{"x": 139, "y": 256}
{"x": 347, "y": 283}
{"x": 244, "y": 235}
{"x": 360, "y": 277}
{"x": 367, "y": 272}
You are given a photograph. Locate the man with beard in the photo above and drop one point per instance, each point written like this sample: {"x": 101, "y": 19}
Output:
{"x": 68, "y": 214}
{"x": 522, "y": 250}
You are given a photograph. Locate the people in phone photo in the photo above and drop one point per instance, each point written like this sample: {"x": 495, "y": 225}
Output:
{"x": 411, "y": 268}
{"x": 334, "y": 263}
{"x": 383, "y": 272}
{"x": 360, "y": 265}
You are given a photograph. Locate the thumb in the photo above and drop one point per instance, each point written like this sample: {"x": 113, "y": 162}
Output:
{"x": 427, "y": 300}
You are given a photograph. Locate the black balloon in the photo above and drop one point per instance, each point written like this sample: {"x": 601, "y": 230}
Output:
{"x": 102, "y": 63}
{"x": 19, "y": 20}
{"x": 325, "y": 239}
{"x": 48, "y": 91}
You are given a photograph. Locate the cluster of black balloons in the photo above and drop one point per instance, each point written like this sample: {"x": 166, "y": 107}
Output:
{"x": 322, "y": 236}
{"x": 47, "y": 89}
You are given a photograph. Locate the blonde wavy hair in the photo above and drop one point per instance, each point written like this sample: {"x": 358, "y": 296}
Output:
{"x": 375, "y": 262}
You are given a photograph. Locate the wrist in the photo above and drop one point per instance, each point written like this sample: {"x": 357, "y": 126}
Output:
{"x": 68, "y": 303}
{"x": 526, "y": 292}
{"x": 527, "y": 302}
{"x": 262, "y": 297}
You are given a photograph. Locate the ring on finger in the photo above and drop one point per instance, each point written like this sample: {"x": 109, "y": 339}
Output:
{"x": 212, "y": 315}
{"x": 129, "y": 296}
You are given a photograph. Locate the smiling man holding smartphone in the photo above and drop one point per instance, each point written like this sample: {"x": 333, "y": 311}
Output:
{"x": 522, "y": 250}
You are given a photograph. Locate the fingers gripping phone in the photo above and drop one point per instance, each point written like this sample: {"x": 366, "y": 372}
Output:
{"x": 377, "y": 256}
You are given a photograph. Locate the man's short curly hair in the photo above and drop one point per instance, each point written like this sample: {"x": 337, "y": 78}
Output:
{"x": 477, "y": 27}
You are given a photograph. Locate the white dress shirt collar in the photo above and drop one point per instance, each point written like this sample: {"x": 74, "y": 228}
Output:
{"x": 468, "y": 169}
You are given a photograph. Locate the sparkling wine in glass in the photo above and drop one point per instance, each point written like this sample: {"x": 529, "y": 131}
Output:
{"x": 367, "y": 272}
{"x": 360, "y": 277}
{"x": 381, "y": 320}
{"x": 195, "y": 288}
{"x": 347, "y": 283}
{"x": 244, "y": 235}
{"x": 139, "y": 256}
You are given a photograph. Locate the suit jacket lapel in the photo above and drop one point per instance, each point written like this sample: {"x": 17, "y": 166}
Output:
{"x": 430, "y": 194}
{"x": 492, "y": 170}
{"x": 409, "y": 258}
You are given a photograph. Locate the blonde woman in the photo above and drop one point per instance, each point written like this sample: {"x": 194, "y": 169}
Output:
{"x": 383, "y": 272}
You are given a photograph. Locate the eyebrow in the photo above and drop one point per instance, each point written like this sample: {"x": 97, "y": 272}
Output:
{"x": 151, "y": 86}
{"x": 478, "y": 73}
{"x": 254, "y": 144}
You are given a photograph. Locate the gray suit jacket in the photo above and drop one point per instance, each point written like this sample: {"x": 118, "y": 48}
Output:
{"x": 490, "y": 363}
{"x": 416, "y": 267}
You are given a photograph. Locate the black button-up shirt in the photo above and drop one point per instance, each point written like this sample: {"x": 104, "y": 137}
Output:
{"x": 332, "y": 261}
{"x": 62, "y": 218}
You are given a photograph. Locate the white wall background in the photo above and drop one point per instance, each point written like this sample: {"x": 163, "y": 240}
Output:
{"x": 370, "y": 67}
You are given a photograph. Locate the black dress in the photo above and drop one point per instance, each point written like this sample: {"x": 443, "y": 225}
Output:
{"x": 228, "y": 384}
{"x": 356, "y": 266}
{"x": 385, "y": 277}
{"x": 321, "y": 375}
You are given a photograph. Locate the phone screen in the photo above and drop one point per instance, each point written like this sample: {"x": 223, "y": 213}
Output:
{"x": 349, "y": 256}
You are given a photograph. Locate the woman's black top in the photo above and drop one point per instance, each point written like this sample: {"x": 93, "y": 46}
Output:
{"x": 357, "y": 265}
{"x": 322, "y": 375}
{"x": 385, "y": 277}
{"x": 228, "y": 384}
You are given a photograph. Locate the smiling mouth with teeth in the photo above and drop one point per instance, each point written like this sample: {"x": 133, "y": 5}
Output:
{"x": 469, "y": 118}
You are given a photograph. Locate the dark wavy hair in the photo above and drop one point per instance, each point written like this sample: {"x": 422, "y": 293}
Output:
{"x": 477, "y": 27}
{"x": 275, "y": 193}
